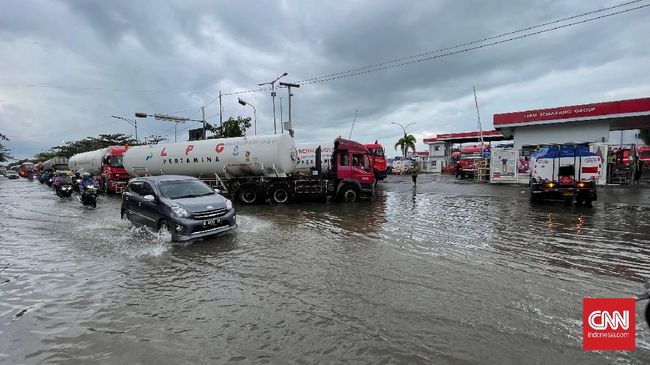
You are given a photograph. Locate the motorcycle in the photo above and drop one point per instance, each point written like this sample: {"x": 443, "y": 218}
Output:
{"x": 50, "y": 181}
{"x": 76, "y": 185}
{"x": 64, "y": 190}
{"x": 89, "y": 196}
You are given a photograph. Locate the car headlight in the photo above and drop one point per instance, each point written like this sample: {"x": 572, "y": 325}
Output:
{"x": 228, "y": 204}
{"x": 180, "y": 212}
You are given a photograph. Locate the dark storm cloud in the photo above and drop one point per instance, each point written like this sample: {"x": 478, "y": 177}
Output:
{"x": 188, "y": 50}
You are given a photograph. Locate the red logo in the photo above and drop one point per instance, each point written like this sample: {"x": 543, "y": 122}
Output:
{"x": 219, "y": 147}
{"x": 188, "y": 149}
{"x": 163, "y": 153}
{"x": 608, "y": 324}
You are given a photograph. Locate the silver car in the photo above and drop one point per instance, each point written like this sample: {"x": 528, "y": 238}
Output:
{"x": 185, "y": 206}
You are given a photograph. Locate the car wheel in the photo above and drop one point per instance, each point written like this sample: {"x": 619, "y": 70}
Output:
{"x": 164, "y": 226}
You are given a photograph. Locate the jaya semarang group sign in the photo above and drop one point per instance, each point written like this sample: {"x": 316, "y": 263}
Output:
{"x": 503, "y": 165}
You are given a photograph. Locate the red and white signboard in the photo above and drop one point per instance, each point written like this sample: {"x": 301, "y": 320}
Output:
{"x": 612, "y": 109}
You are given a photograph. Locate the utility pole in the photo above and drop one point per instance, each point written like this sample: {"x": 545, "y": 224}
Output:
{"x": 220, "y": 113}
{"x": 203, "y": 118}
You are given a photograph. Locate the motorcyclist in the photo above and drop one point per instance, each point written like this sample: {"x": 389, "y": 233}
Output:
{"x": 62, "y": 180}
{"x": 57, "y": 179}
{"x": 76, "y": 181}
{"x": 86, "y": 181}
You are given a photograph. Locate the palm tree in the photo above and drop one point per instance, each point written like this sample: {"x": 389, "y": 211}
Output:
{"x": 405, "y": 143}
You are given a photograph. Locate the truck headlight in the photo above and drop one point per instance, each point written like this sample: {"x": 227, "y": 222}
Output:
{"x": 228, "y": 204}
{"x": 180, "y": 212}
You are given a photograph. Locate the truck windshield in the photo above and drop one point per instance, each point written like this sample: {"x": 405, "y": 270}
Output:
{"x": 116, "y": 161}
{"x": 184, "y": 189}
{"x": 379, "y": 152}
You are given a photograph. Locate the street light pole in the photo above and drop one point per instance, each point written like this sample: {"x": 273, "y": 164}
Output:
{"x": 172, "y": 118}
{"x": 244, "y": 103}
{"x": 130, "y": 121}
{"x": 289, "y": 86}
{"x": 272, "y": 83}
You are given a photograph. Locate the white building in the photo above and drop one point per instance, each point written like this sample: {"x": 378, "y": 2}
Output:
{"x": 438, "y": 155}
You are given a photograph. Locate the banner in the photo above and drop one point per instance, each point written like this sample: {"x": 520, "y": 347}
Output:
{"x": 503, "y": 165}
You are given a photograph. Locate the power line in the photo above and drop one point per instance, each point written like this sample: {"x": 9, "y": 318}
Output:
{"x": 346, "y": 75}
{"x": 306, "y": 81}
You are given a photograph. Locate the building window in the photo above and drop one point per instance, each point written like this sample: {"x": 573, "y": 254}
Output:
{"x": 434, "y": 163}
{"x": 436, "y": 148}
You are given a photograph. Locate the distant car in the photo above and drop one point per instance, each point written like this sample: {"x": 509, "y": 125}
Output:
{"x": 12, "y": 175}
{"x": 185, "y": 206}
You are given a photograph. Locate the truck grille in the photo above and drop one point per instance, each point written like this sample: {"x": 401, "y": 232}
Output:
{"x": 209, "y": 214}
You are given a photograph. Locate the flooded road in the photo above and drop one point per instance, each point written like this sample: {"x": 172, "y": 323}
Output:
{"x": 447, "y": 273}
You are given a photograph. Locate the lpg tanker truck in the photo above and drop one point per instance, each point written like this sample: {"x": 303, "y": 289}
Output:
{"x": 256, "y": 168}
{"x": 105, "y": 165}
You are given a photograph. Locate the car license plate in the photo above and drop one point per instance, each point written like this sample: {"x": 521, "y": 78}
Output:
{"x": 211, "y": 222}
{"x": 567, "y": 194}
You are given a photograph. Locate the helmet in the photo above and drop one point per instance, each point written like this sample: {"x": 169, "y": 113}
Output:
{"x": 85, "y": 175}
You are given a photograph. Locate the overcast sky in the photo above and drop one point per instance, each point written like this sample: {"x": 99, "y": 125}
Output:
{"x": 104, "y": 58}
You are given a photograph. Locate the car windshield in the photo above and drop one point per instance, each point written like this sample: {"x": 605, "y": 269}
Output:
{"x": 116, "y": 161}
{"x": 184, "y": 189}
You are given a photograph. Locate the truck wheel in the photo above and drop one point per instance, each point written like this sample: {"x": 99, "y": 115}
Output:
{"x": 279, "y": 195}
{"x": 248, "y": 194}
{"x": 349, "y": 194}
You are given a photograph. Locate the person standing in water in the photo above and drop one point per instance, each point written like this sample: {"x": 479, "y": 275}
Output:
{"x": 414, "y": 173}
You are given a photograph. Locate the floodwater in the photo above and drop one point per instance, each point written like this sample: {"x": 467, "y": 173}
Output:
{"x": 446, "y": 273}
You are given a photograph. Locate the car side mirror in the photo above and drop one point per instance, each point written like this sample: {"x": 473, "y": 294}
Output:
{"x": 217, "y": 191}
{"x": 149, "y": 198}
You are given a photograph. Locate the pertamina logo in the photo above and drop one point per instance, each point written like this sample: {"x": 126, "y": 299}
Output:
{"x": 608, "y": 324}
{"x": 163, "y": 153}
{"x": 219, "y": 148}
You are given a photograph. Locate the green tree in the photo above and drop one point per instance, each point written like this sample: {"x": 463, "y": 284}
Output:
{"x": 233, "y": 127}
{"x": 153, "y": 139}
{"x": 5, "y": 155}
{"x": 405, "y": 143}
{"x": 87, "y": 144}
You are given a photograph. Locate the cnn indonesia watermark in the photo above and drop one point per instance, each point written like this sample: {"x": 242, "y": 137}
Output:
{"x": 608, "y": 324}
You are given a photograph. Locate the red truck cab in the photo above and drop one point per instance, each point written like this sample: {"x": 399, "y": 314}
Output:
{"x": 354, "y": 176}
{"x": 113, "y": 176}
{"x": 27, "y": 170}
{"x": 378, "y": 160}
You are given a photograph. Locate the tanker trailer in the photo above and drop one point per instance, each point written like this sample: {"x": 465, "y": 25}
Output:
{"x": 58, "y": 163}
{"x": 254, "y": 169}
{"x": 105, "y": 165}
